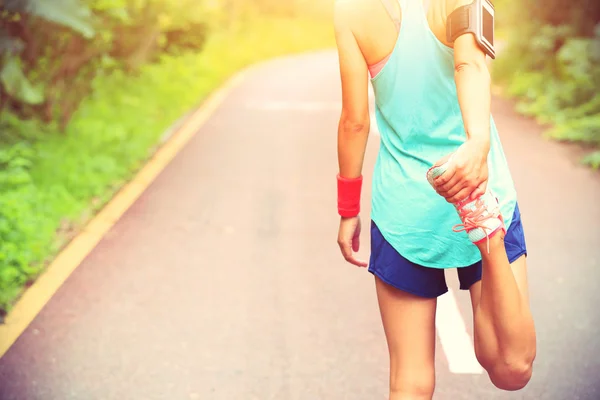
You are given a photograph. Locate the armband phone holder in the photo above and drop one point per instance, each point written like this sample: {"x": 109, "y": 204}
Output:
{"x": 476, "y": 18}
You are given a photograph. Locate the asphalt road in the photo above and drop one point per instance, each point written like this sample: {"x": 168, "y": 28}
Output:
{"x": 224, "y": 280}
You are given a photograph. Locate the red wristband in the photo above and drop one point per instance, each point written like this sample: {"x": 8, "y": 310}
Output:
{"x": 349, "y": 196}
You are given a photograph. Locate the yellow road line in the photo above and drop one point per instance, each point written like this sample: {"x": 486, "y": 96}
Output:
{"x": 36, "y": 296}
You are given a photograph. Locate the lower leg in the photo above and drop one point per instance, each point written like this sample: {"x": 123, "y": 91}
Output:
{"x": 505, "y": 341}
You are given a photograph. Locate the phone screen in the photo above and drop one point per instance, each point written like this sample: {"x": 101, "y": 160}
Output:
{"x": 488, "y": 26}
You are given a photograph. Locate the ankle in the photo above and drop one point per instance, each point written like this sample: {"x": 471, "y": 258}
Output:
{"x": 496, "y": 244}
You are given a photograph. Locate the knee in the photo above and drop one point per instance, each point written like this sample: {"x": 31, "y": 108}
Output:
{"x": 416, "y": 388}
{"x": 511, "y": 376}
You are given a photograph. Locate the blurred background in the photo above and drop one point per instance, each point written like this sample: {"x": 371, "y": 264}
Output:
{"x": 89, "y": 90}
{"x": 551, "y": 65}
{"x": 89, "y": 86}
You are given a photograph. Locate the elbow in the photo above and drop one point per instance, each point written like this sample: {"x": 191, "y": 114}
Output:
{"x": 472, "y": 67}
{"x": 354, "y": 125}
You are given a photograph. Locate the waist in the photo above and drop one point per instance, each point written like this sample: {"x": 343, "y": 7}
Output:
{"x": 399, "y": 182}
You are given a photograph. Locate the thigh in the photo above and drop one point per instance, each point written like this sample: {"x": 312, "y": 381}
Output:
{"x": 519, "y": 269}
{"x": 516, "y": 251}
{"x": 409, "y": 324}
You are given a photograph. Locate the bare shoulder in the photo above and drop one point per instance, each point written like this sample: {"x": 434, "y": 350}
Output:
{"x": 350, "y": 13}
{"x": 452, "y": 5}
{"x": 343, "y": 17}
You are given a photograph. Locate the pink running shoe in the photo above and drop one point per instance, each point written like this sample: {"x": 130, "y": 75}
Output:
{"x": 481, "y": 218}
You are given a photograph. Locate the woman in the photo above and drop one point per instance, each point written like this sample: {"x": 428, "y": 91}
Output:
{"x": 433, "y": 109}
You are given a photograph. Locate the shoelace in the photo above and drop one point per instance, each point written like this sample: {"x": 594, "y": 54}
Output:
{"x": 473, "y": 219}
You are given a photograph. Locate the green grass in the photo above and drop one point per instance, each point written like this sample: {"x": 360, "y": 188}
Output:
{"x": 51, "y": 187}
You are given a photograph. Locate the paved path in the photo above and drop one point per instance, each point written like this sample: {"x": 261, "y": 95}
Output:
{"x": 224, "y": 281}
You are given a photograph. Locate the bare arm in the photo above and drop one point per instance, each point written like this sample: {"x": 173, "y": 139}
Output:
{"x": 354, "y": 124}
{"x": 473, "y": 82}
{"x": 353, "y": 128}
{"x": 468, "y": 174}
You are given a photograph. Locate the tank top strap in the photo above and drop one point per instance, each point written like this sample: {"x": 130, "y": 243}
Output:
{"x": 415, "y": 11}
{"x": 426, "y": 4}
{"x": 392, "y": 13}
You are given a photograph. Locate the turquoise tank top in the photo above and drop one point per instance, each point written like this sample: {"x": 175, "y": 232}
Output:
{"x": 420, "y": 122}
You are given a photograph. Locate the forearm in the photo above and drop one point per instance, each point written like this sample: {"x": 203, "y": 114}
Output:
{"x": 474, "y": 97}
{"x": 352, "y": 142}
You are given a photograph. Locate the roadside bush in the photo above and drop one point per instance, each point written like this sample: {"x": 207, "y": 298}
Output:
{"x": 552, "y": 66}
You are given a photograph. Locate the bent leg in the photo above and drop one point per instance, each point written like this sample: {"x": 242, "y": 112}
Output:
{"x": 409, "y": 325}
{"x": 505, "y": 339}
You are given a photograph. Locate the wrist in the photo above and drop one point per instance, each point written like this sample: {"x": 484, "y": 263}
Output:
{"x": 480, "y": 142}
{"x": 349, "y": 191}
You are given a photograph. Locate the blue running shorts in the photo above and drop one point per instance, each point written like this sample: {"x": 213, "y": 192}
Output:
{"x": 389, "y": 265}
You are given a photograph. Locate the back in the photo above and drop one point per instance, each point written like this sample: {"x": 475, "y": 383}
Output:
{"x": 420, "y": 121}
{"x": 372, "y": 22}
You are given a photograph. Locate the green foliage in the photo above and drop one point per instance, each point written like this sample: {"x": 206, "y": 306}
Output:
{"x": 555, "y": 72}
{"x": 51, "y": 50}
{"x": 585, "y": 130}
{"x": 17, "y": 221}
{"x": 16, "y": 84}
{"x": 554, "y": 86}
{"x": 592, "y": 159}
{"x": 72, "y": 14}
{"x": 53, "y": 180}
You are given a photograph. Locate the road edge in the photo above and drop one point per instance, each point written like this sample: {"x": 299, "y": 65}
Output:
{"x": 34, "y": 298}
